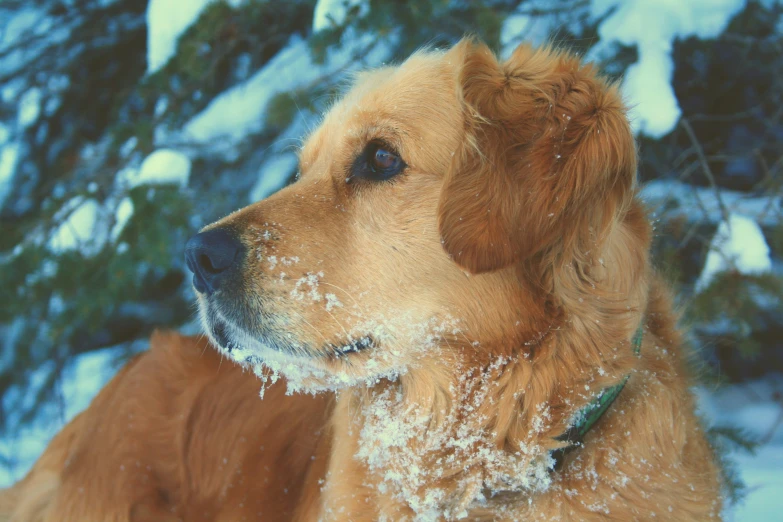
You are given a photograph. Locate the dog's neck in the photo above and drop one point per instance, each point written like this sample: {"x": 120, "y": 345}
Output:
{"x": 469, "y": 423}
{"x": 446, "y": 439}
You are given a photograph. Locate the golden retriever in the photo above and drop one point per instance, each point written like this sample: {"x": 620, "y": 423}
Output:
{"x": 459, "y": 271}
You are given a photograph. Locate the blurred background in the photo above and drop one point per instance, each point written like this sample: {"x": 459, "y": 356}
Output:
{"x": 126, "y": 125}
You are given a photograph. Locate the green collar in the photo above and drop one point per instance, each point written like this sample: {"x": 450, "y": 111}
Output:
{"x": 589, "y": 415}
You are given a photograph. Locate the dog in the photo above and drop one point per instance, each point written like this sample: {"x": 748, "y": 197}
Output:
{"x": 451, "y": 314}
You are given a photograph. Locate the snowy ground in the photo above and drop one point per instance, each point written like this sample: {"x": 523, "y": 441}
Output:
{"x": 757, "y": 406}
{"x": 81, "y": 381}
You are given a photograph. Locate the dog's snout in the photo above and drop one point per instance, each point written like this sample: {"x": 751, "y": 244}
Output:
{"x": 212, "y": 256}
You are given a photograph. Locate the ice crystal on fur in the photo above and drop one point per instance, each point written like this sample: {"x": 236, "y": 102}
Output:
{"x": 311, "y": 282}
{"x": 412, "y": 449}
{"x": 303, "y": 373}
{"x": 332, "y": 302}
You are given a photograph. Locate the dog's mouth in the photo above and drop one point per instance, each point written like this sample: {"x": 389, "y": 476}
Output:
{"x": 225, "y": 334}
{"x": 353, "y": 346}
{"x": 219, "y": 330}
{"x": 222, "y": 333}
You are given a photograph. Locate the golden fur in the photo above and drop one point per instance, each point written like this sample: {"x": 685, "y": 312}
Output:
{"x": 501, "y": 277}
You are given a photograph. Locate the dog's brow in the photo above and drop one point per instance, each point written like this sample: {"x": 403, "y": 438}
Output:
{"x": 308, "y": 152}
{"x": 386, "y": 132}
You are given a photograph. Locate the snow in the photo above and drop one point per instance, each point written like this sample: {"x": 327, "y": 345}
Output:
{"x": 280, "y": 160}
{"x": 306, "y": 374}
{"x": 739, "y": 245}
{"x": 79, "y": 229}
{"x": 128, "y": 147}
{"x": 167, "y": 20}
{"x": 162, "y": 167}
{"x": 535, "y": 21}
{"x": 20, "y": 24}
{"x": 20, "y": 28}
{"x": 9, "y": 155}
{"x": 762, "y": 475}
{"x": 82, "y": 224}
{"x": 518, "y": 27}
{"x": 273, "y": 175}
{"x": 756, "y": 407}
{"x": 29, "y": 107}
{"x": 122, "y": 215}
{"x": 239, "y": 111}
{"x": 411, "y": 446}
{"x": 654, "y": 110}
{"x": 81, "y": 381}
{"x": 332, "y": 13}
{"x": 10, "y": 90}
{"x": 161, "y": 106}
{"x": 676, "y": 199}
{"x": 651, "y": 26}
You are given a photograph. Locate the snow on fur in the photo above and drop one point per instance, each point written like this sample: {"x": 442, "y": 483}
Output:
{"x": 413, "y": 452}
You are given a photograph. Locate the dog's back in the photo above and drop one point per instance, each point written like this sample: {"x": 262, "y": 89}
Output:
{"x": 178, "y": 434}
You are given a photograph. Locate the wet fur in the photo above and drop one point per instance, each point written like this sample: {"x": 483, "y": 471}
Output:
{"x": 518, "y": 216}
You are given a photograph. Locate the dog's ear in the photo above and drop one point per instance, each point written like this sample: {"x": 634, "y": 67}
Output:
{"x": 548, "y": 160}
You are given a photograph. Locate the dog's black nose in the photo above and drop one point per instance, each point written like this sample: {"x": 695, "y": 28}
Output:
{"x": 212, "y": 256}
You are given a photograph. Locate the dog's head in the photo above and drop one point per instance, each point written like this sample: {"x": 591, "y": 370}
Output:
{"x": 433, "y": 204}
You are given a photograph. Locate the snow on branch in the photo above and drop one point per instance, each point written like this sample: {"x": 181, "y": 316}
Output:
{"x": 670, "y": 199}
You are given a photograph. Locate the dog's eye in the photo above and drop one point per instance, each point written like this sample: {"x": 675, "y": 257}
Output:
{"x": 384, "y": 160}
{"x": 378, "y": 162}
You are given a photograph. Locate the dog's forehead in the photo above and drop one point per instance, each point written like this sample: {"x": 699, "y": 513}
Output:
{"x": 414, "y": 106}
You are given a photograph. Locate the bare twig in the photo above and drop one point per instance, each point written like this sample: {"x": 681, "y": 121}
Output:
{"x": 769, "y": 177}
{"x": 566, "y": 7}
{"x": 742, "y": 115}
{"x": 705, "y": 166}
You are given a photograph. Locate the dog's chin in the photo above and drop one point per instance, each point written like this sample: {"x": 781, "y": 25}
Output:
{"x": 330, "y": 368}
{"x": 217, "y": 331}
{"x": 237, "y": 344}
{"x": 234, "y": 341}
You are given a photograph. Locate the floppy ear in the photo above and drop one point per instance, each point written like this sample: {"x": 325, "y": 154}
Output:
{"x": 548, "y": 161}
